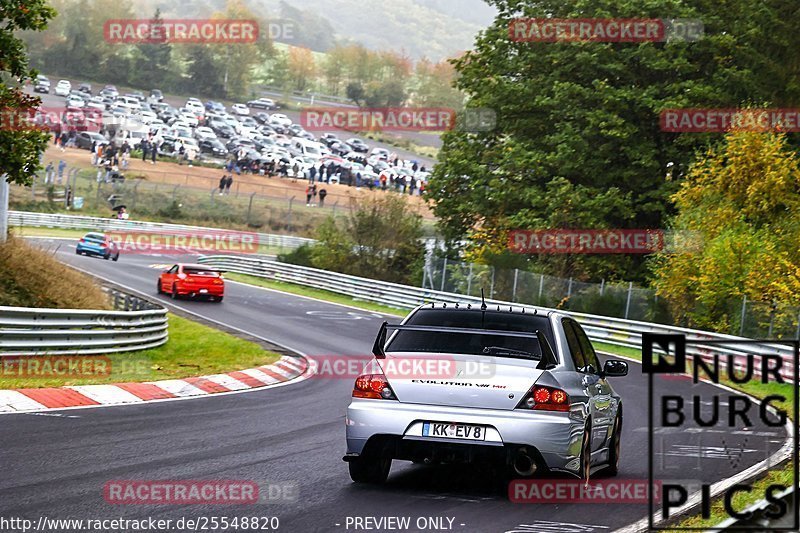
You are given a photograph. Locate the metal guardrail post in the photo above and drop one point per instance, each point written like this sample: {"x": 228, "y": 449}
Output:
{"x": 628, "y": 302}
{"x": 249, "y": 206}
{"x": 514, "y": 290}
{"x": 744, "y": 311}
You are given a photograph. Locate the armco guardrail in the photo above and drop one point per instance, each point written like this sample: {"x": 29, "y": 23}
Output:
{"x": 610, "y": 330}
{"x": 26, "y": 331}
{"x": 50, "y": 220}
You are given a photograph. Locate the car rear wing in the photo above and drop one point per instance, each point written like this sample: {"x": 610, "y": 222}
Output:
{"x": 548, "y": 356}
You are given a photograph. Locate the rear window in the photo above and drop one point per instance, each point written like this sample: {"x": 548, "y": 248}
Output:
{"x": 201, "y": 272}
{"x": 95, "y": 237}
{"x": 422, "y": 341}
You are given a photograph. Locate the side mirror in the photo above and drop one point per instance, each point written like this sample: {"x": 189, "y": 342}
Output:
{"x": 615, "y": 368}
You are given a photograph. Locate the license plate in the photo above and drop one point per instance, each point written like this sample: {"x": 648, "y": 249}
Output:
{"x": 203, "y": 291}
{"x": 453, "y": 431}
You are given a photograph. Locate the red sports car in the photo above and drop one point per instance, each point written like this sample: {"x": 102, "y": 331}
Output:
{"x": 185, "y": 279}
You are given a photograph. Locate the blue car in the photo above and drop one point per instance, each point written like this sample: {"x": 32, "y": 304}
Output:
{"x": 97, "y": 244}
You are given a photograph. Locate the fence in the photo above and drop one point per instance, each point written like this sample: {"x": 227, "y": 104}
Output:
{"x": 136, "y": 324}
{"x": 622, "y": 300}
{"x": 605, "y": 329}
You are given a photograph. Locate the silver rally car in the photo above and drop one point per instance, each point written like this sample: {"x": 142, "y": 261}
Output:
{"x": 519, "y": 387}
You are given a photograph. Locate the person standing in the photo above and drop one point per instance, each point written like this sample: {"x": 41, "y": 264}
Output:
{"x": 190, "y": 155}
{"x": 48, "y": 173}
{"x": 153, "y": 152}
{"x": 145, "y": 149}
{"x": 312, "y": 173}
{"x": 314, "y": 194}
{"x": 228, "y": 183}
{"x": 308, "y": 195}
{"x": 222, "y": 182}
{"x": 322, "y": 194}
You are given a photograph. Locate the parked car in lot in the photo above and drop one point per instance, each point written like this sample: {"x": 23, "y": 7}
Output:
{"x": 213, "y": 147}
{"x": 84, "y": 139}
{"x": 41, "y": 84}
{"x": 74, "y": 102}
{"x": 97, "y": 244}
{"x": 85, "y": 88}
{"x": 156, "y": 96}
{"x": 543, "y": 402}
{"x": 63, "y": 87}
{"x": 262, "y": 103}
{"x": 216, "y": 107}
{"x": 357, "y": 145}
{"x": 280, "y": 119}
{"x": 240, "y": 109}
{"x": 193, "y": 280}
{"x": 328, "y": 139}
{"x": 110, "y": 91}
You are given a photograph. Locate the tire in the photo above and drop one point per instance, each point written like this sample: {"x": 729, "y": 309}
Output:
{"x": 116, "y": 257}
{"x": 615, "y": 447}
{"x": 586, "y": 454}
{"x": 218, "y": 299}
{"x": 158, "y": 287}
{"x": 107, "y": 257}
{"x": 78, "y": 252}
{"x": 370, "y": 469}
{"x": 174, "y": 294}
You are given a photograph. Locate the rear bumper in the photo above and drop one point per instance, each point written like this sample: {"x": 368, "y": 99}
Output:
{"x": 94, "y": 251}
{"x": 554, "y": 437}
{"x": 214, "y": 290}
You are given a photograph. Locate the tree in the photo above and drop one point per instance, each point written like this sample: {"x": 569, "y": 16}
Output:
{"x": 588, "y": 112}
{"x": 741, "y": 203}
{"x": 355, "y": 92}
{"x": 20, "y": 148}
{"x": 152, "y": 61}
{"x": 380, "y": 239}
{"x": 301, "y": 67}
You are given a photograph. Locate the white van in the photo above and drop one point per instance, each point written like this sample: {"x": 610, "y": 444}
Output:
{"x": 308, "y": 147}
{"x": 133, "y": 136}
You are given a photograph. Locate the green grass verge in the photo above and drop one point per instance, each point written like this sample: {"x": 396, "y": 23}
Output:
{"x": 193, "y": 349}
{"x": 301, "y": 290}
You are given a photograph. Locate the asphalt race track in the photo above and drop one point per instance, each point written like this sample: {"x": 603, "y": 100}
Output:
{"x": 56, "y": 464}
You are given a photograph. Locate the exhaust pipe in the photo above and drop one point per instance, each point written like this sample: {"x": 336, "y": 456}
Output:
{"x": 523, "y": 464}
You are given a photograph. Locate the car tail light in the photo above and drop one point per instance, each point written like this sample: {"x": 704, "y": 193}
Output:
{"x": 541, "y": 398}
{"x": 373, "y": 386}
{"x": 103, "y": 245}
{"x": 217, "y": 281}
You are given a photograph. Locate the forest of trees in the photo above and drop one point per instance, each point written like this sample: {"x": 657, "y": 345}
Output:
{"x": 74, "y": 45}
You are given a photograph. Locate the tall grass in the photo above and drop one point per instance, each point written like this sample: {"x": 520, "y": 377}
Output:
{"x": 31, "y": 277}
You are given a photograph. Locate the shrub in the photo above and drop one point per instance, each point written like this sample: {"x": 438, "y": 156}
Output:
{"x": 31, "y": 277}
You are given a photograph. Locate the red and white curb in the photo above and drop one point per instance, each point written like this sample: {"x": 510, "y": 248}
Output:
{"x": 32, "y": 400}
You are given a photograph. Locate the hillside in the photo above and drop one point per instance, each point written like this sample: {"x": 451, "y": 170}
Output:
{"x": 431, "y": 28}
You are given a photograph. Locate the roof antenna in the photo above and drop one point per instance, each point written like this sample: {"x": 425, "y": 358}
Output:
{"x": 483, "y": 301}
